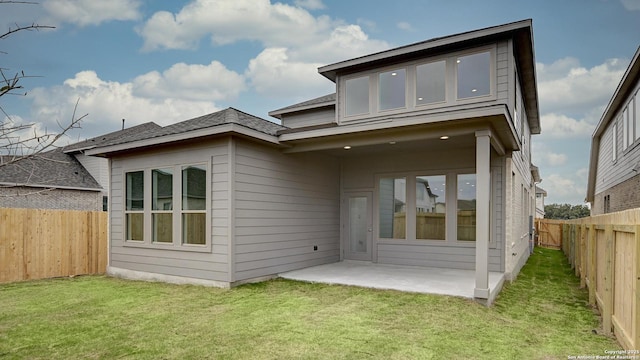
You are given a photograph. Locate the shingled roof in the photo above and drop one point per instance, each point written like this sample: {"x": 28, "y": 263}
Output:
{"x": 53, "y": 168}
{"x": 223, "y": 117}
{"x": 326, "y": 100}
{"x": 97, "y": 141}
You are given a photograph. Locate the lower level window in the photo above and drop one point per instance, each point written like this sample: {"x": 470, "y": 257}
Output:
{"x": 393, "y": 208}
{"x": 467, "y": 207}
{"x": 430, "y": 207}
{"x": 177, "y": 212}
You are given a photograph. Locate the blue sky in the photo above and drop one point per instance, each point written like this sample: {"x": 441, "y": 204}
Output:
{"x": 168, "y": 61}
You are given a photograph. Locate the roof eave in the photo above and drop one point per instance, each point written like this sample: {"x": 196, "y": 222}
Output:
{"x": 278, "y": 113}
{"x": 105, "y": 151}
{"x": 49, "y": 186}
{"x": 330, "y": 71}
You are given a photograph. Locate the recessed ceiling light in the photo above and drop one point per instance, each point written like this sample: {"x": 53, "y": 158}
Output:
{"x": 392, "y": 142}
{"x": 393, "y": 74}
{"x": 458, "y": 61}
{"x": 347, "y": 147}
{"x": 419, "y": 99}
{"x": 474, "y": 90}
{"x": 444, "y": 137}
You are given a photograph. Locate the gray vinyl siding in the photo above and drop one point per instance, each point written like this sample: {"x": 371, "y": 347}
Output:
{"x": 359, "y": 174}
{"x": 502, "y": 71}
{"x": 201, "y": 265}
{"x": 98, "y": 168}
{"x": 285, "y": 204}
{"x": 310, "y": 118}
{"x": 610, "y": 173}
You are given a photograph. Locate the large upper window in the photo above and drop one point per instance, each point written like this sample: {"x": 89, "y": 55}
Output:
{"x": 431, "y": 83}
{"x": 474, "y": 75}
{"x": 467, "y": 207}
{"x": 430, "y": 207}
{"x": 393, "y": 208}
{"x": 177, "y": 212}
{"x": 357, "y": 97}
{"x": 391, "y": 89}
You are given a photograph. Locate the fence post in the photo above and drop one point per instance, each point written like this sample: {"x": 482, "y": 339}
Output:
{"x": 578, "y": 250}
{"x": 607, "y": 300}
{"x": 591, "y": 251}
{"x": 636, "y": 323}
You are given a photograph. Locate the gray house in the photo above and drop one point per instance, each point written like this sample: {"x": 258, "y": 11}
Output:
{"x": 338, "y": 179}
{"x": 614, "y": 167}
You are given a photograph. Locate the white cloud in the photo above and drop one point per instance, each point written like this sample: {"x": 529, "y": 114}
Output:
{"x": 107, "y": 102}
{"x": 211, "y": 82}
{"x": 227, "y": 21}
{"x": 556, "y": 159}
{"x": 631, "y": 5}
{"x": 561, "y": 126}
{"x": 273, "y": 74}
{"x": 561, "y": 189}
{"x": 403, "y": 25}
{"x": 91, "y": 12}
{"x": 310, "y": 4}
{"x": 278, "y": 25}
{"x": 566, "y": 86}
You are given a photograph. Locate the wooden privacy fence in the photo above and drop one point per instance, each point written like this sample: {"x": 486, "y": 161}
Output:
{"x": 36, "y": 244}
{"x": 604, "y": 250}
{"x": 549, "y": 233}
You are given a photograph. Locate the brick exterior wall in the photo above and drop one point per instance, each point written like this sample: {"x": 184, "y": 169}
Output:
{"x": 38, "y": 198}
{"x": 623, "y": 196}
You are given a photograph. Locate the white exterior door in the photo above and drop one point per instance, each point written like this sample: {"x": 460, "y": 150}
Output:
{"x": 359, "y": 226}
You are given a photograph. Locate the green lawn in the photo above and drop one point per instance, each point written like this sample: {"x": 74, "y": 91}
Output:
{"x": 543, "y": 315}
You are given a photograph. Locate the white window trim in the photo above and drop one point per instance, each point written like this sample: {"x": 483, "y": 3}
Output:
{"x": 177, "y": 210}
{"x": 451, "y": 238}
{"x": 451, "y": 86}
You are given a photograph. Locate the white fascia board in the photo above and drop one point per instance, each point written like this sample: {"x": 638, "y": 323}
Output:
{"x": 215, "y": 130}
{"x": 394, "y": 122}
{"x": 277, "y": 113}
{"x": 421, "y": 46}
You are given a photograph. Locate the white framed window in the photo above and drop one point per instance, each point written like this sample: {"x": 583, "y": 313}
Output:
{"x": 177, "y": 216}
{"x": 431, "y": 83}
{"x": 443, "y": 80}
{"x": 357, "y": 96}
{"x": 473, "y": 75}
{"x": 442, "y": 209}
{"x": 614, "y": 141}
{"x": 134, "y": 206}
{"x": 392, "y": 89}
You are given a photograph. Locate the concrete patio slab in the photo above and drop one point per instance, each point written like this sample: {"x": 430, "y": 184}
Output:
{"x": 395, "y": 277}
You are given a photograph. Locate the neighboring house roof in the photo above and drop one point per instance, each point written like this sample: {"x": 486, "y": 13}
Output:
{"x": 540, "y": 190}
{"x": 51, "y": 169}
{"x": 228, "y": 120}
{"x": 522, "y": 31}
{"x": 630, "y": 78}
{"x": 106, "y": 138}
{"x": 322, "y": 101}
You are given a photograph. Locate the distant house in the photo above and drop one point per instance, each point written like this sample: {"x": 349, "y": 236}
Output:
{"x": 540, "y": 195}
{"x": 62, "y": 178}
{"x": 50, "y": 180}
{"x": 422, "y": 157}
{"x": 614, "y": 167}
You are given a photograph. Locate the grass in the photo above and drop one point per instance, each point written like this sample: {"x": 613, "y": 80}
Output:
{"x": 542, "y": 315}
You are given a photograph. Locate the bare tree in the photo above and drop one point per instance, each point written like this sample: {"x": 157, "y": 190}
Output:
{"x": 19, "y": 141}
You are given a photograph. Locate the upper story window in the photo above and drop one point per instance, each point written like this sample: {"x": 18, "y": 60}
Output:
{"x": 630, "y": 122}
{"x": 431, "y": 83}
{"x": 357, "y": 98}
{"x": 439, "y": 81}
{"x": 474, "y": 75}
{"x": 614, "y": 142}
{"x": 391, "y": 89}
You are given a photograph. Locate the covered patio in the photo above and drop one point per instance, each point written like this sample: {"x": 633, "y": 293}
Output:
{"x": 427, "y": 280}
